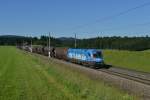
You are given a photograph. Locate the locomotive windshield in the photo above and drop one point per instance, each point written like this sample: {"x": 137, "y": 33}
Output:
{"x": 97, "y": 55}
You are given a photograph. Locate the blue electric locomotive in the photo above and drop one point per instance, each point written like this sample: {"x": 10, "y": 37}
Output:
{"x": 91, "y": 57}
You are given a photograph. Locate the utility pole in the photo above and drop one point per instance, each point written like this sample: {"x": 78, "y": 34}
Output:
{"x": 49, "y": 45}
{"x": 31, "y": 44}
{"x": 23, "y": 43}
{"x": 75, "y": 44}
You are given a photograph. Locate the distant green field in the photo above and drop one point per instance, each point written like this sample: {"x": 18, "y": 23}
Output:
{"x": 136, "y": 60}
{"x": 27, "y": 77}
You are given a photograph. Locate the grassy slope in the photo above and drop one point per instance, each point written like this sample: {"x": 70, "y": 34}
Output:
{"x": 137, "y": 60}
{"x": 26, "y": 77}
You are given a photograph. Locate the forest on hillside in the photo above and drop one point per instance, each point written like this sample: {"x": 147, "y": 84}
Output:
{"x": 115, "y": 42}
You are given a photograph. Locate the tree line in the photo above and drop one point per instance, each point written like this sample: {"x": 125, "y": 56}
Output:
{"x": 115, "y": 42}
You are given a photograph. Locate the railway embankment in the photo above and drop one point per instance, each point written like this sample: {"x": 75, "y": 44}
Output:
{"x": 129, "y": 84}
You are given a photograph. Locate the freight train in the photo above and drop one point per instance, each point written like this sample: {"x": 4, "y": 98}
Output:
{"x": 88, "y": 57}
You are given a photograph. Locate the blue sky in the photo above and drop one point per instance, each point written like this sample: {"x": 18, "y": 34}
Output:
{"x": 66, "y": 17}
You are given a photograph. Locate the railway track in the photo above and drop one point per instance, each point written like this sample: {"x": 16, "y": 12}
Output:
{"x": 137, "y": 76}
{"x": 127, "y": 74}
{"x": 124, "y": 73}
{"x": 141, "y": 77}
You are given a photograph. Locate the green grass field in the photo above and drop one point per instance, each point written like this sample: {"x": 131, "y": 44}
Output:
{"x": 27, "y": 77}
{"x": 136, "y": 60}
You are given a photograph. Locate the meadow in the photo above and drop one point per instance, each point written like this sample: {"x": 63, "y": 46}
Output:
{"x": 27, "y": 77}
{"x": 135, "y": 60}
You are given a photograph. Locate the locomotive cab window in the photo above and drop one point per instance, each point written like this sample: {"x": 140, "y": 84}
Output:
{"x": 97, "y": 55}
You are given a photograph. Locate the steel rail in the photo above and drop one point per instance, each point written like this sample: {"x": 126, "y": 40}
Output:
{"x": 127, "y": 76}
